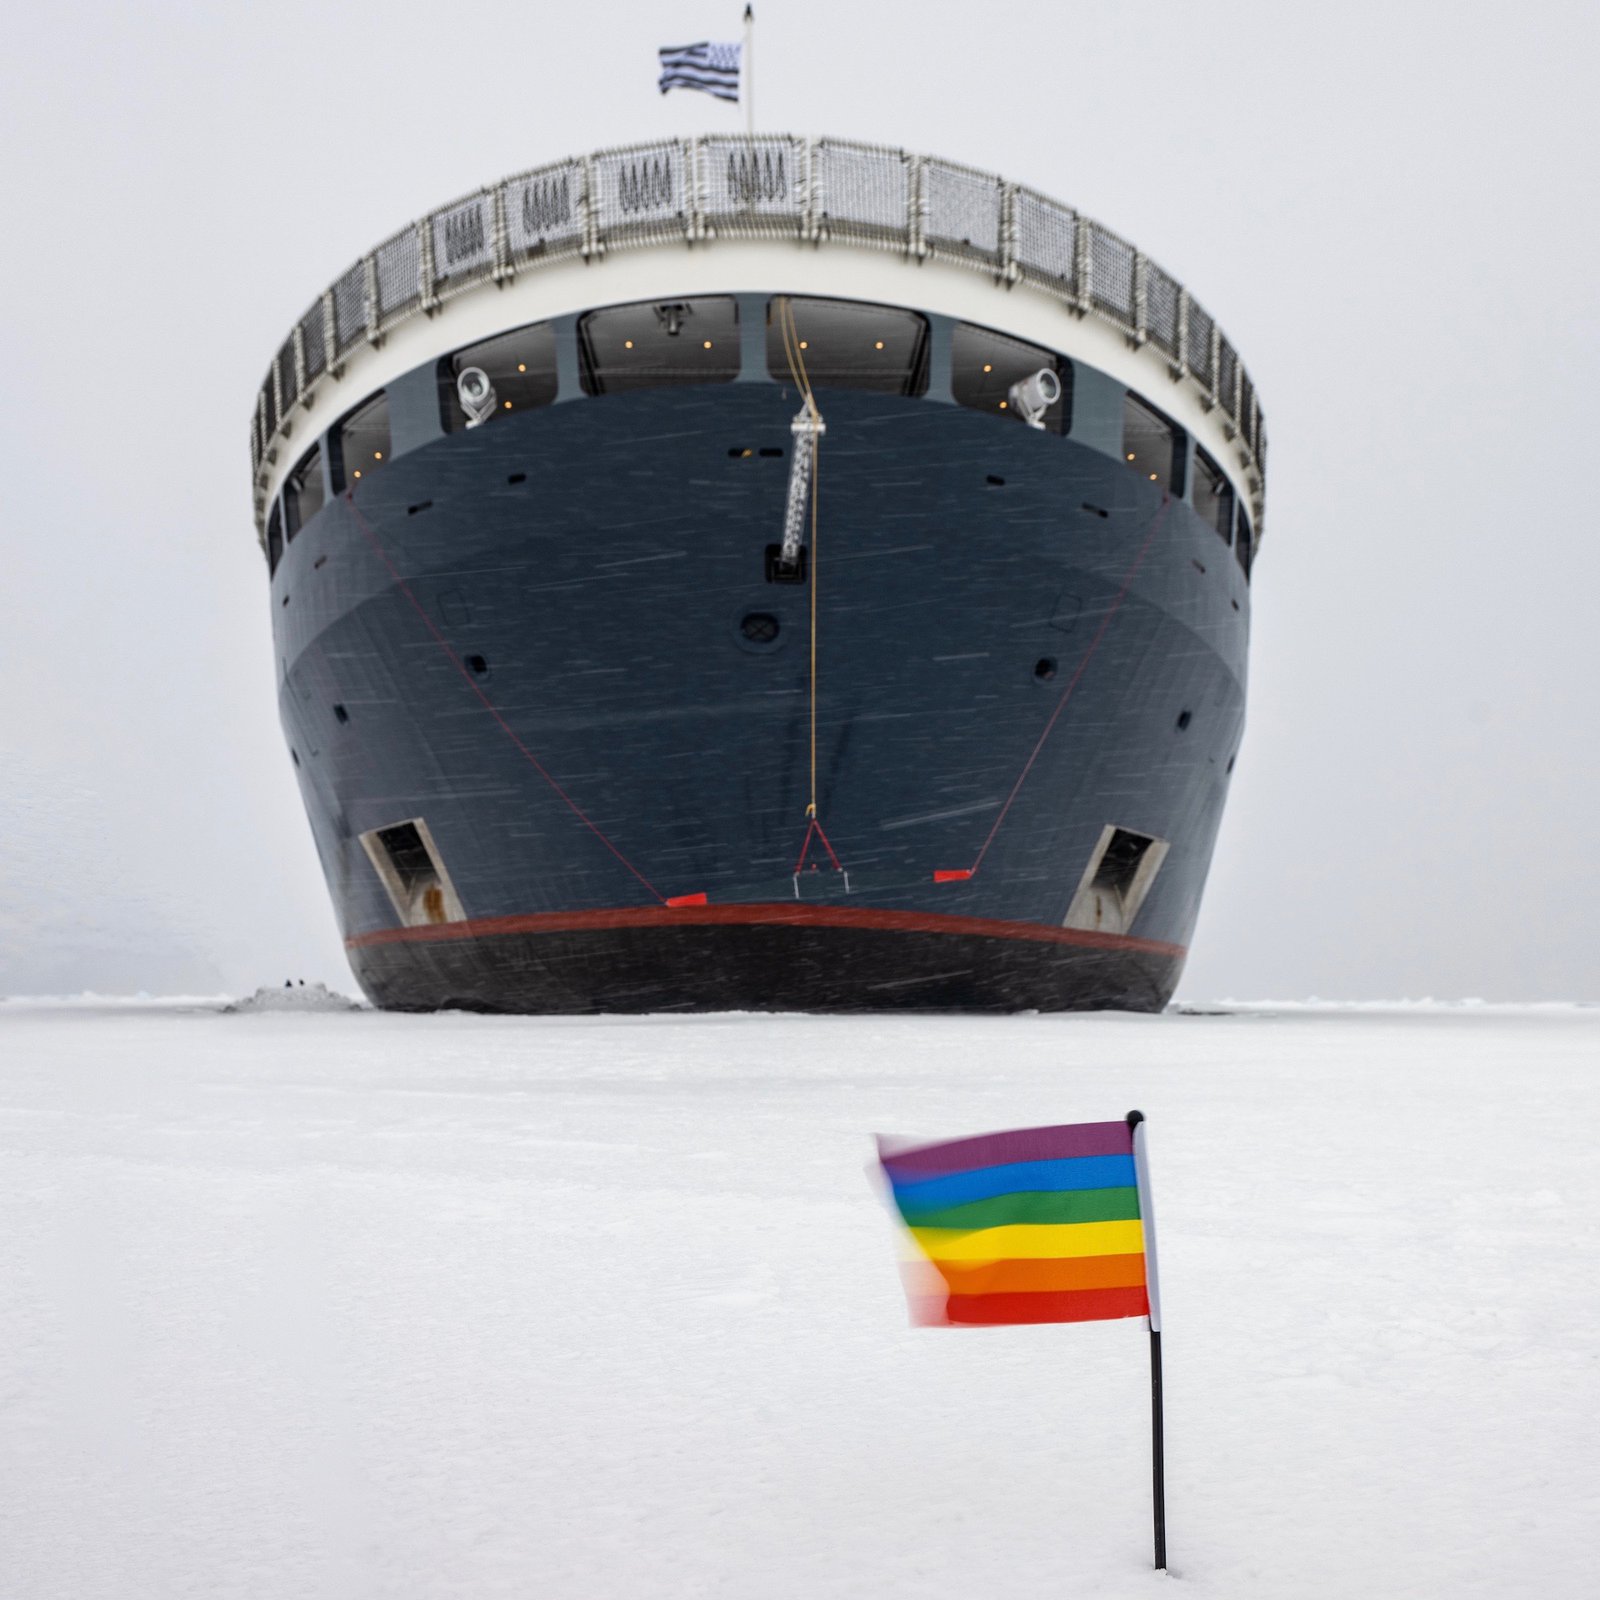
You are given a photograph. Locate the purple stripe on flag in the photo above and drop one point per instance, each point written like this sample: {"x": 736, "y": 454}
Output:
{"x": 905, "y": 1162}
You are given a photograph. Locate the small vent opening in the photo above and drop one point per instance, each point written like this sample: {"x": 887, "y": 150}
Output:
{"x": 407, "y": 860}
{"x": 1120, "y": 872}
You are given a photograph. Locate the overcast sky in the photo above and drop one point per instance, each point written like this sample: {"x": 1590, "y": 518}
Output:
{"x": 1387, "y": 206}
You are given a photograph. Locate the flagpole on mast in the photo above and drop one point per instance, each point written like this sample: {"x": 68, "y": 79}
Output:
{"x": 747, "y": 73}
{"x": 1147, "y": 1222}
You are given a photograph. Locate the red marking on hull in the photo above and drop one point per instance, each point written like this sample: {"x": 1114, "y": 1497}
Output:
{"x": 779, "y": 915}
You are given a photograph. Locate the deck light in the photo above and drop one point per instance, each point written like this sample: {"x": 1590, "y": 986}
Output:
{"x": 1033, "y": 396}
{"x": 508, "y": 405}
{"x": 988, "y": 366}
{"x": 878, "y": 345}
{"x": 627, "y": 344}
{"x": 1130, "y": 455}
{"x": 1002, "y": 405}
{"x": 708, "y": 344}
{"x": 476, "y": 394}
{"x": 804, "y": 345}
{"x": 358, "y": 472}
{"x": 377, "y": 455}
{"x": 522, "y": 366}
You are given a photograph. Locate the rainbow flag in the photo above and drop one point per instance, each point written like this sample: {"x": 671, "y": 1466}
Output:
{"x": 1035, "y": 1225}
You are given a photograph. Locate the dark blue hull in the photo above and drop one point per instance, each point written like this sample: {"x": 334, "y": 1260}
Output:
{"x": 534, "y": 636}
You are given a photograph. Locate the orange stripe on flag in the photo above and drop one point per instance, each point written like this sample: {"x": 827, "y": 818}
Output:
{"x": 951, "y": 874}
{"x": 686, "y": 900}
{"x": 1044, "y": 1276}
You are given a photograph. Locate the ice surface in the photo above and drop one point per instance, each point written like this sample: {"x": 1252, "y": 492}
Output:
{"x": 366, "y": 1305}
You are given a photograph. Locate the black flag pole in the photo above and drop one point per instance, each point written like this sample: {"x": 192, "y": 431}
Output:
{"x": 1147, "y": 1221}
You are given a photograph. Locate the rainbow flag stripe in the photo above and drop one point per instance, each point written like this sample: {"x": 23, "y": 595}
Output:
{"x": 1035, "y": 1225}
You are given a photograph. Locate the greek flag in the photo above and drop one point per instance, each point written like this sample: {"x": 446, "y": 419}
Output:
{"x": 711, "y": 67}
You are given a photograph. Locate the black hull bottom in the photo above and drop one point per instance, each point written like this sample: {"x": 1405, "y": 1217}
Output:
{"x": 761, "y": 967}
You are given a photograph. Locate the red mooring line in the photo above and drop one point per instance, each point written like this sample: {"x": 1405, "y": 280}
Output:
{"x": 488, "y": 705}
{"x": 1066, "y": 694}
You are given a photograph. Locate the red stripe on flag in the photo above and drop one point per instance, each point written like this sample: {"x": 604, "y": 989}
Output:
{"x": 951, "y": 874}
{"x": 1063, "y": 1305}
{"x": 687, "y": 900}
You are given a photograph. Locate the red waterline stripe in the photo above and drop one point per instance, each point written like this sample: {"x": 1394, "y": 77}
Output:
{"x": 779, "y": 915}
{"x": 1062, "y": 1305}
{"x": 488, "y": 705}
{"x": 1066, "y": 695}
{"x": 1062, "y": 1143}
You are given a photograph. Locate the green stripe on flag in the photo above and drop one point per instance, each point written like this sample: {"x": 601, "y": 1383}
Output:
{"x": 1057, "y": 1206}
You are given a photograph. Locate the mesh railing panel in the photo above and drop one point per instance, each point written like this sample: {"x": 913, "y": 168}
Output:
{"x": 350, "y": 308}
{"x": 1227, "y": 376}
{"x": 463, "y": 242}
{"x": 961, "y": 210}
{"x": 753, "y": 186}
{"x": 288, "y": 386}
{"x": 1247, "y": 409}
{"x": 314, "y": 337}
{"x": 1198, "y": 351}
{"x": 399, "y": 274}
{"x": 1111, "y": 274}
{"x": 1047, "y": 242}
{"x": 1161, "y": 308}
{"x": 544, "y": 211}
{"x": 862, "y": 186}
{"x": 641, "y": 193}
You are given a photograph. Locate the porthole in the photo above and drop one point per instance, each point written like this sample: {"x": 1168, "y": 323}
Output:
{"x": 758, "y": 630}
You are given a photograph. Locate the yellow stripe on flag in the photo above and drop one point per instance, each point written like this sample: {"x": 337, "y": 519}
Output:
{"x": 1032, "y": 1242}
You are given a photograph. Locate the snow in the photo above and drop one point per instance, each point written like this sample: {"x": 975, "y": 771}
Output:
{"x": 351, "y": 1304}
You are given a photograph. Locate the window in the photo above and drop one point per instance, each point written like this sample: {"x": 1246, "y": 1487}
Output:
{"x": 302, "y": 494}
{"x": 984, "y": 365}
{"x": 521, "y": 368}
{"x": 360, "y": 443}
{"x": 845, "y": 344}
{"x": 1150, "y": 443}
{"x": 1121, "y": 869}
{"x": 407, "y": 860}
{"x": 274, "y": 537}
{"x": 1244, "y": 546}
{"x": 1213, "y": 496}
{"x": 653, "y": 343}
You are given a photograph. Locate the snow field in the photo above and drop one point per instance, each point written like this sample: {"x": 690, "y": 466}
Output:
{"x": 365, "y": 1305}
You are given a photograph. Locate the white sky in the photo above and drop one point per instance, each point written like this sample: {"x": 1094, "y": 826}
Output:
{"x": 1386, "y": 206}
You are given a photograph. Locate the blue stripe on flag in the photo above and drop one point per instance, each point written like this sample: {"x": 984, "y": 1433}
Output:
{"x": 1017, "y": 1177}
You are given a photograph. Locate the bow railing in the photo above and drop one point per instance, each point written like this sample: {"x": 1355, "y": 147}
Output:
{"x": 766, "y": 186}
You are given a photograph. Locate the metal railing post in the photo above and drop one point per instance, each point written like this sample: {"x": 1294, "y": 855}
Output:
{"x": 1082, "y": 264}
{"x": 1141, "y": 301}
{"x": 592, "y": 245}
{"x": 696, "y": 197}
{"x": 1010, "y": 272}
{"x": 369, "y": 296}
{"x": 810, "y": 211}
{"x": 428, "y": 300}
{"x": 299, "y": 338}
{"x": 330, "y": 335}
{"x": 916, "y": 206}
{"x": 503, "y": 270}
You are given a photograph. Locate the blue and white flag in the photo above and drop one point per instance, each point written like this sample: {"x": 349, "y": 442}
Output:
{"x": 713, "y": 68}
